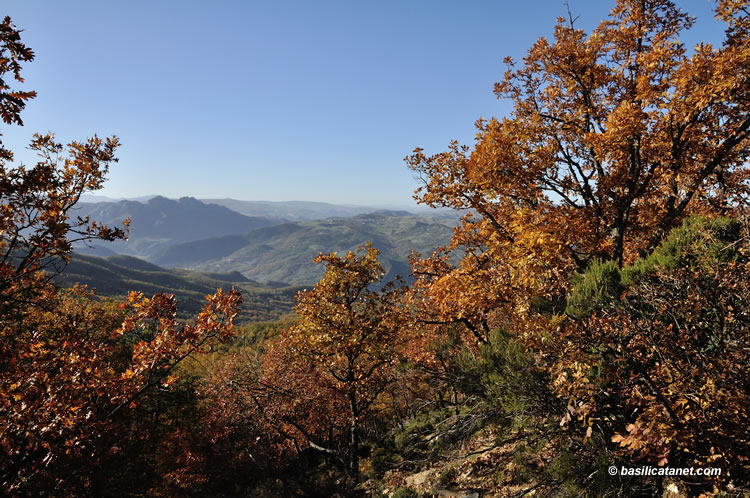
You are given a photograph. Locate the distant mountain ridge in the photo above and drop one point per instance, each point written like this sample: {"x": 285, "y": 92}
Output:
{"x": 160, "y": 221}
{"x": 292, "y": 210}
{"x": 188, "y": 233}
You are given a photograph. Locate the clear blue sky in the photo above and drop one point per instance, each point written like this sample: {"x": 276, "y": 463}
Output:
{"x": 278, "y": 100}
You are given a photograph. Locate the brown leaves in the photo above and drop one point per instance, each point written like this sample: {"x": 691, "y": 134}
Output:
{"x": 616, "y": 136}
{"x": 68, "y": 378}
{"x": 669, "y": 361}
{"x": 37, "y": 231}
{"x": 12, "y": 102}
{"x": 323, "y": 378}
{"x": 165, "y": 341}
{"x": 343, "y": 315}
{"x": 614, "y": 133}
{"x": 71, "y": 365}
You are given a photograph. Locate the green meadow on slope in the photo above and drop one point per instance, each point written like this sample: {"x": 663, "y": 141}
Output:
{"x": 284, "y": 253}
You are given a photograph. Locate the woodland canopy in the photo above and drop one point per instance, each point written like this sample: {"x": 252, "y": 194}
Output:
{"x": 590, "y": 310}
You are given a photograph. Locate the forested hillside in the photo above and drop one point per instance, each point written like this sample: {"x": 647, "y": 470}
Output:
{"x": 282, "y": 253}
{"x": 187, "y": 233}
{"x": 116, "y": 276}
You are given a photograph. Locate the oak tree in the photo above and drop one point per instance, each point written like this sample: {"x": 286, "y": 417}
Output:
{"x": 328, "y": 371}
{"x": 72, "y": 367}
{"x": 616, "y": 137}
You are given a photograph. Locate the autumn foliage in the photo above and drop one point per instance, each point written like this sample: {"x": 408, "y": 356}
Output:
{"x": 669, "y": 381}
{"x": 72, "y": 367}
{"x": 616, "y": 137}
{"x": 590, "y": 310}
{"x": 319, "y": 384}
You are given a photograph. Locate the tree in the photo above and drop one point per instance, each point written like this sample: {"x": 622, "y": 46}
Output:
{"x": 72, "y": 368}
{"x": 336, "y": 362}
{"x": 668, "y": 383}
{"x": 36, "y": 232}
{"x": 12, "y": 53}
{"x": 615, "y": 138}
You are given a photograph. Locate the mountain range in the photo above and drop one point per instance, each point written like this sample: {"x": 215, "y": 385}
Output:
{"x": 291, "y": 210}
{"x": 284, "y": 253}
{"x": 159, "y": 221}
{"x": 276, "y": 248}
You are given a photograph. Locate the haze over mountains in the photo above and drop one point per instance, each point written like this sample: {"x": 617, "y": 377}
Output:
{"x": 291, "y": 210}
{"x": 160, "y": 221}
{"x": 285, "y": 252}
{"x": 268, "y": 242}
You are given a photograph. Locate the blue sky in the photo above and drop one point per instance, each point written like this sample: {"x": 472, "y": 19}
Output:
{"x": 278, "y": 100}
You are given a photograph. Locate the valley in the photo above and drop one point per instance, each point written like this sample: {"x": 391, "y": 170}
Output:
{"x": 190, "y": 248}
{"x": 191, "y": 234}
{"x": 115, "y": 276}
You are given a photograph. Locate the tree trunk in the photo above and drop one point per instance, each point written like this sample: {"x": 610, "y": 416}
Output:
{"x": 354, "y": 436}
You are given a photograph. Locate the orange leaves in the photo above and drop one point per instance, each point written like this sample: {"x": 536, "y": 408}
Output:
{"x": 323, "y": 377}
{"x": 504, "y": 268}
{"x": 167, "y": 341}
{"x": 37, "y": 231}
{"x": 343, "y": 316}
{"x": 69, "y": 376}
{"x": 55, "y": 363}
{"x": 664, "y": 360}
{"x": 72, "y": 364}
{"x": 616, "y": 136}
{"x": 602, "y": 125}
